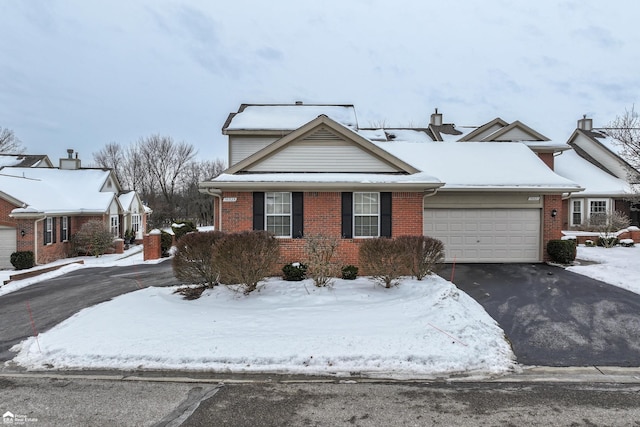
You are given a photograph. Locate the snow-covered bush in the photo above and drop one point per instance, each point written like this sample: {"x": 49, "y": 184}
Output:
{"x": 193, "y": 259}
{"x": 627, "y": 243}
{"x": 246, "y": 258}
{"x": 180, "y": 228}
{"x": 562, "y": 251}
{"x": 425, "y": 255}
{"x": 294, "y": 272}
{"x": 93, "y": 238}
{"x": 589, "y": 243}
{"x": 384, "y": 259}
{"x": 607, "y": 241}
{"x": 349, "y": 272}
{"x": 320, "y": 250}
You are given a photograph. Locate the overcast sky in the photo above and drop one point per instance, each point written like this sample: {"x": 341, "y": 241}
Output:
{"x": 80, "y": 74}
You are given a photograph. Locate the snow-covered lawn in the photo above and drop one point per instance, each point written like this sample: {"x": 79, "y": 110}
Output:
{"x": 418, "y": 329}
{"x": 421, "y": 328}
{"x": 617, "y": 266}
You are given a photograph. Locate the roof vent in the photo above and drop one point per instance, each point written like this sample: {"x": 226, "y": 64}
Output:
{"x": 298, "y": 102}
{"x": 584, "y": 123}
{"x": 436, "y": 119}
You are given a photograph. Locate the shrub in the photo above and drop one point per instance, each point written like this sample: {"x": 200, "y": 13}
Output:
{"x": 627, "y": 243}
{"x": 589, "y": 243}
{"x": 166, "y": 241}
{"x": 607, "y": 242}
{"x": 180, "y": 228}
{"x": 320, "y": 250}
{"x": 93, "y": 238}
{"x": 424, "y": 254}
{"x": 22, "y": 260}
{"x": 246, "y": 258}
{"x": 384, "y": 259}
{"x": 294, "y": 272}
{"x": 562, "y": 251}
{"x": 193, "y": 259}
{"x": 349, "y": 272}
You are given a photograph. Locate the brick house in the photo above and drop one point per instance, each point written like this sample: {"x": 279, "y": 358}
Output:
{"x": 302, "y": 170}
{"x": 42, "y": 207}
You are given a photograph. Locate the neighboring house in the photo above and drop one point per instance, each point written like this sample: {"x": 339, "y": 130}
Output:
{"x": 609, "y": 180}
{"x": 135, "y": 213}
{"x": 303, "y": 170}
{"x": 42, "y": 207}
{"x": 25, "y": 161}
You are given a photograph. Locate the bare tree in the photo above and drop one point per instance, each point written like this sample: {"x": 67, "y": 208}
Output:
{"x": 9, "y": 143}
{"x": 112, "y": 156}
{"x": 626, "y": 130}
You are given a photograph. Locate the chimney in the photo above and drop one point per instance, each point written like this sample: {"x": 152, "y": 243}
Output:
{"x": 436, "y": 119}
{"x": 584, "y": 123}
{"x": 70, "y": 162}
{"x": 298, "y": 102}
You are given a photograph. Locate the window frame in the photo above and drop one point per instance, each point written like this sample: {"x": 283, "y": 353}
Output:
{"x": 135, "y": 223}
{"x": 64, "y": 229}
{"x": 114, "y": 228}
{"x": 607, "y": 206}
{"x": 48, "y": 230}
{"x": 580, "y": 202}
{"x": 274, "y": 214}
{"x": 356, "y": 215}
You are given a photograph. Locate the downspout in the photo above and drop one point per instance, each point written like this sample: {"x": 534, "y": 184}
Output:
{"x": 215, "y": 192}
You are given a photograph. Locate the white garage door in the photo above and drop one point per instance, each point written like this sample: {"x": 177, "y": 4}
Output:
{"x": 7, "y": 246}
{"x": 486, "y": 235}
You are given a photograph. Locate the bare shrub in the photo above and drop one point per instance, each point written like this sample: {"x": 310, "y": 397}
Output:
{"x": 193, "y": 259}
{"x": 93, "y": 238}
{"x": 425, "y": 255}
{"x": 384, "y": 259}
{"x": 320, "y": 250}
{"x": 607, "y": 225}
{"x": 246, "y": 258}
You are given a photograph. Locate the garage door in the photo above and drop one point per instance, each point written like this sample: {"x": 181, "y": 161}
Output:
{"x": 486, "y": 235}
{"x": 7, "y": 246}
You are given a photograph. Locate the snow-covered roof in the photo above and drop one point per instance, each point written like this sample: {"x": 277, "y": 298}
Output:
{"x": 52, "y": 190}
{"x": 480, "y": 165}
{"x": 289, "y": 117}
{"x": 24, "y": 160}
{"x": 126, "y": 199}
{"x": 595, "y": 181}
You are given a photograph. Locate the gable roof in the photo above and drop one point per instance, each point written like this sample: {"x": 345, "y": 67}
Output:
{"x": 25, "y": 160}
{"x": 595, "y": 181}
{"x": 603, "y": 151}
{"x": 276, "y": 118}
{"x": 353, "y": 137}
{"x": 56, "y": 191}
{"x": 475, "y": 135}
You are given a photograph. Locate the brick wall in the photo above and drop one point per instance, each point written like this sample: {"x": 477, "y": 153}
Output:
{"x": 551, "y": 226}
{"x": 152, "y": 246}
{"x": 5, "y": 210}
{"x": 548, "y": 159}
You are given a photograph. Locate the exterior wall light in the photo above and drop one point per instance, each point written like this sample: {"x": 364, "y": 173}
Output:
{"x": 22, "y": 233}
{"x": 554, "y": 213}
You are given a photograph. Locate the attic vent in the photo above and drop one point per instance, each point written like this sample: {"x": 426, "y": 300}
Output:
{"x": 323, "y": 135}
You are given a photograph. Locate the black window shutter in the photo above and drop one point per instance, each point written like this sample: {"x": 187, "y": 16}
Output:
{"x": 44, "y": 228}
{"x": 258, "y": 210}
{"x": 61, "y": 230}
{"x": 347, "y": 215}
{"x": 53, "y": 230}
{"x": 385, "y": 214}
{"x": 68, "y": 228}
{"x": 297, "y": 201}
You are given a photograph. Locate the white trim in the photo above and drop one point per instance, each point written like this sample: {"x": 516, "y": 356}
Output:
{"x": 354, "y": 214}
{"x": 278, "y": 214}
{"x": 114, "y": 226}
{"x": 607, "y": 206}
{"x": 571, "y": 211}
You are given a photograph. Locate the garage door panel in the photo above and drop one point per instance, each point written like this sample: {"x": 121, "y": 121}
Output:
{"x": 7, "y": 246}
{"x": 486, "y": 235}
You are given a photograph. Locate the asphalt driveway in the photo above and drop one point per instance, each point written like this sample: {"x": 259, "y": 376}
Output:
{"x": 554, "y": 317}
{"x": 54, "y": 300}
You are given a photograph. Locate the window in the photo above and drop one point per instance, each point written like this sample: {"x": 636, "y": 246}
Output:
{"x": 115, "y": 225}
{"x": 598, "y": 210}
{"x": 135, "y": 223}
{"x": 278, "y": 213}
{"x": 576, "y": 212}
{"x": 64, "y": 229}
{"x": 366, "y": 217}
{"x": 48, "y": 230}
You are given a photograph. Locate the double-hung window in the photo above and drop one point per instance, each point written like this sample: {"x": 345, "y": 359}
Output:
{"x": 366, "y": 214}
{"x": 278, "y": 213}
{"x": 135, "y": 223}
{"x": 64, "y": 228}
{"x": 48, "y": 230}
{"x": 576, "y": 212}
{"x": 598, "y": 211}
{"x": 115, "y": 225}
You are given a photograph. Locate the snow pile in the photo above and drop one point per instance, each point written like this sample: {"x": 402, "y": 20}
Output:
{"x": 617, "y": 266}
{"x": 420, "y": 328}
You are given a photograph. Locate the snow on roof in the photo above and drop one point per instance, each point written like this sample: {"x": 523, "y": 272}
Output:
{"x": 8, "y": 160}
{"x": 395, "y": 134}
{"x": 447, "y": 137}
{"x": 473, "y": 165}
{"x": 52, "y": 190}
{"x": 126, "y": 199}
{"x": 290, "y": 117}
{"x": 595, "y": 181}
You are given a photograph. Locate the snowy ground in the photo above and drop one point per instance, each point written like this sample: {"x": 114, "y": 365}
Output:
{"x": 418, "y": 329}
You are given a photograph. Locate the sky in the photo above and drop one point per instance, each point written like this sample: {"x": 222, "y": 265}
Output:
{"x": 79, "y": 74}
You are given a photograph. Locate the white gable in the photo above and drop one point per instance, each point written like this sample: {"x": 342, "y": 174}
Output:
{"x": 516, "y": 134}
